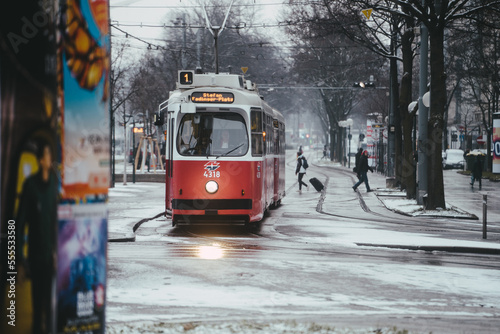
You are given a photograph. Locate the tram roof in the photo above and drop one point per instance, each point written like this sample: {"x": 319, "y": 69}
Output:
{"x": 213, "y": 80}
{"x": 189, "y": 80}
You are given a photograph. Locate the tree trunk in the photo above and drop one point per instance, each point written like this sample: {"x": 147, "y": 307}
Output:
{"x": 408, "y": 170}
{"x": 436, "y": 121}
{"x": 332, "y": 144}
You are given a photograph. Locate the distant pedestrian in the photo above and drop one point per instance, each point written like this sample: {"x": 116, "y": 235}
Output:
{"x": 363, "y": 170}
{"x": 356, "y": 163}
{"x": 300, "y": 170}
{"x": 477, "y": 171}
{"x": 325, "y": 152}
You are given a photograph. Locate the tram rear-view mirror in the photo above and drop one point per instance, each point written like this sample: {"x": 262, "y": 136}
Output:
{"x": 188, "y": 108}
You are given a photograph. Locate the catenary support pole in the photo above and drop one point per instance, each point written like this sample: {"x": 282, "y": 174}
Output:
{"x": 485, "y": 212}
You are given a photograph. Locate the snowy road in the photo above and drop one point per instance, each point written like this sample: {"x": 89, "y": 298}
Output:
{"x": 307, "y": 265}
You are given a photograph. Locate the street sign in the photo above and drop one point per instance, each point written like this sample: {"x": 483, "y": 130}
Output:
{"x": 480, "y": 140}
{"x": 367, "y": 13}
{"x": 244, "y": 69}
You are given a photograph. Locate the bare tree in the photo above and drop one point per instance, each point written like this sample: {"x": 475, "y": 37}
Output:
{"x": 326, "y": 59}
{"x": 438, "y": 16}
{"x": 121, "y": 91}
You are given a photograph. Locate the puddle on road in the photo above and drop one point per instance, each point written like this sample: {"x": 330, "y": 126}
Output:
{"x": 213, "y": 251}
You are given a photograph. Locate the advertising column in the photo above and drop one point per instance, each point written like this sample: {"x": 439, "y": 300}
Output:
{"x": 82, "y": 230}
{"x": 30, "y": 160}
{"x": 54, "y": 152}
{"x": 370, "y": 144}
{"x": 496, "y": 143}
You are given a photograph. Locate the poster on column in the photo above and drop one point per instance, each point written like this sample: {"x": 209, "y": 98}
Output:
{"x": 81, "y": 272}
{"x": 29, "y": 166}
{"x": 82, "y": 229}
{"x": 85, "y": 67}
{"x": 370, "y": 144}
{"x": 496, "y": 145}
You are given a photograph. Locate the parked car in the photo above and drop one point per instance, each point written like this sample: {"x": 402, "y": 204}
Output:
{"x": 454, "y": 159}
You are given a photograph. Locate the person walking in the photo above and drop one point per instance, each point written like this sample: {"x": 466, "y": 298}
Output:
{"x": 363, "y": 170}
{"x": 357, "y": 158}
{"x": 325, "y": 152}
{"x": 477, "y": 171}
{"x": 300, "y": 170}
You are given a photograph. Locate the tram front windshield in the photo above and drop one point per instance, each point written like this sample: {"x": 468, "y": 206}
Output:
{"x": 212, "y": 134}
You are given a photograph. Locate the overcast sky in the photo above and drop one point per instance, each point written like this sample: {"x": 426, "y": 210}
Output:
{"x": 136, "y": 16}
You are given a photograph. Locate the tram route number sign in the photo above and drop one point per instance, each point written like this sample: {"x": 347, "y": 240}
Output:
{"x": 186, "y": 77}
{"x": 212, "y": 97}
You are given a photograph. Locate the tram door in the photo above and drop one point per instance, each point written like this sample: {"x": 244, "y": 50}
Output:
{"x": 169, "y": 160}
{"x": 276, "y": 160}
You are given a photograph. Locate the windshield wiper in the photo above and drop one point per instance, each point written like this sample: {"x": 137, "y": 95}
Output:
{"x": 231, "y": 151}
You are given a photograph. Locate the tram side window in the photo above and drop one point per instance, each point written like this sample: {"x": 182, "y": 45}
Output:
{"x": 282, "y": 136}
{"x": 256, "y": 124}
{"x": 269, "y": 135}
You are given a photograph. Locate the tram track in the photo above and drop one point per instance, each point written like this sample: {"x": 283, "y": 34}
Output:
{"x": 246, "y": 243}
{"x": 242, "y": 242}
{"x": 240, "y": 246}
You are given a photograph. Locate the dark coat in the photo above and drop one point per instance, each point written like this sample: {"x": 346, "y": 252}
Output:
{"x": 363, "y": 165}
{"x": 38, "y": 209}
{"x": 357, "y": 159}
{"x": 300, "y": 161}
{"x": 477, "y": 168}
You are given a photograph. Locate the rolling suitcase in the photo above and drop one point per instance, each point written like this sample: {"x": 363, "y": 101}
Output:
{"x": 316, "y": 184}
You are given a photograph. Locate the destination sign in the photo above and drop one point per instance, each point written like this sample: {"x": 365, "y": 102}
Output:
{"x": 201, "y": 97}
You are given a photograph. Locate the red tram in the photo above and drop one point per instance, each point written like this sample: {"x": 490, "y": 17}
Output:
{"x": 225, "y": 150}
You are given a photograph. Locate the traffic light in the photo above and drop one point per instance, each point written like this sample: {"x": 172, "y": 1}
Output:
{"x": 366, "y": 84}
{"x": 158, "y": 119}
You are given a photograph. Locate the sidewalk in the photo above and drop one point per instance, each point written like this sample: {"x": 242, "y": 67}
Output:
{"x": 131, "y": 204}
{"x": 463, "y": 215}
{"x": 464, "y": 204}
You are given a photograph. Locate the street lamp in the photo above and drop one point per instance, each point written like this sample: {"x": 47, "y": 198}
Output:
{"x": 126, "y": 118}
{"x": 426, "y": 99}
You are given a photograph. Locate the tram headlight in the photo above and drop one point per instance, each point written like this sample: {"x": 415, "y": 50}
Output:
{"x": 211, "y": 187}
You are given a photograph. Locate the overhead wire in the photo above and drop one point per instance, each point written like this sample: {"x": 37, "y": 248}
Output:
{"x": 305, "y": 2}
{"x": 127, "y": 35}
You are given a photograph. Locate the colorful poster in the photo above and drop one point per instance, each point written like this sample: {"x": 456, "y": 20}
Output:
{"x": 496, "y": 146}
{"x": 81, "y": 274}
{"x": 85, "y": 72}
{"x": 371, "y": 144}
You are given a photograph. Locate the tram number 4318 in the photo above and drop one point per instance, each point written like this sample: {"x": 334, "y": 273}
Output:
{"x": 211, "y": 174}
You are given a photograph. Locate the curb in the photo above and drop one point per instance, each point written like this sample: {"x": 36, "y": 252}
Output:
{"x": 134, "y": 228}
{"x": 141, "y": 177}
{"x": 449, "y": 249}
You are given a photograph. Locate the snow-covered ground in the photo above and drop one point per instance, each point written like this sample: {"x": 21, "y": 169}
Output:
{"x": 131, "y": 203}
